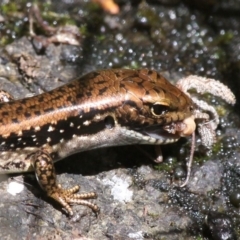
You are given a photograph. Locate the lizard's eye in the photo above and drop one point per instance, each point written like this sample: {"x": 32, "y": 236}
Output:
{"x": 159, "y": 109}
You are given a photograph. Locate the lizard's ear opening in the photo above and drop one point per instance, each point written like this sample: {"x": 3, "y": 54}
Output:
{"x": 109, "y": 122}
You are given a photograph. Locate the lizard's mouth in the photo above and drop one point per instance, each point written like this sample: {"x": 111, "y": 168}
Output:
{"x": 182, "y": 128}
{"x": 160, "y": 133}
{"x": 171, "y": 132}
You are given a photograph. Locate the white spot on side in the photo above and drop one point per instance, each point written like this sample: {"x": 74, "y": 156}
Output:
{"x": 51, "y": 128}
{"x": 37, "y": 128}
{"x": 19, "y": 139}
{"x": 33, "y": 136}
{"x": 74, "y": 135}
{"x": 30, "y": 149}
{"x": 24, "y": 143}
{"x": 49, "y": 139}
{"x": 97, "y": 117}
{"x": 78, "y": 127}
{"x": 20, "y": 133}
{"x": 62, "y": 140}
{"x": 12, "y": 145}
{"x": 61, "y": 130}
{"x": 34, "y": 139}
{"x": 86, "y": 123}
{"x": 3, "y": 143}
{"x": 71, "y": 124}
{"x": 80, "y": 116}
{"x": 14, "y": 188}
{"x": 6, "y": 135}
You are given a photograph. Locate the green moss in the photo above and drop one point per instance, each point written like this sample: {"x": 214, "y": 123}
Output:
{"x": 164, "y": 167}
{"x": 167, "y": 166}
{"x": 223, "y": 39}
{"x": 9, "y": 8}
{"x": 134, "y": 65}
{"x": 83, "y": 30}
{"x": 15, "y": 24}
{"x": 217, "y": 147}
{"x": 221, "y": 110}
{"x": 153, "y": 215}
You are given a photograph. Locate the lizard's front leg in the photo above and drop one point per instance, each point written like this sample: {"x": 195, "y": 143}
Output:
{"x": 45, "y": 174}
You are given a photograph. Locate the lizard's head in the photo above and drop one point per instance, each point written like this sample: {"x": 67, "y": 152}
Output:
{"x": 154, "y": 107}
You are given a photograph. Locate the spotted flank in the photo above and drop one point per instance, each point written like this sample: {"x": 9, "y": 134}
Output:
{"x": 101, "y": 109}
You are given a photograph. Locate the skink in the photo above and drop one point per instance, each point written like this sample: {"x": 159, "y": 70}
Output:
{"x": 103, "y": 108}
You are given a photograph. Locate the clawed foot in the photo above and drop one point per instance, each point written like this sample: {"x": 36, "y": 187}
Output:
{"x": 67, "y": 196}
